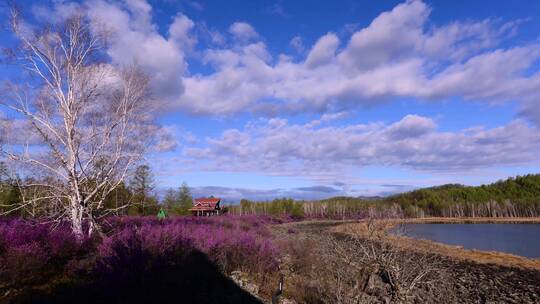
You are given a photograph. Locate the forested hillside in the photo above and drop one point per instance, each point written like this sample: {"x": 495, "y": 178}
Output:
{"x": 519, "y": 196}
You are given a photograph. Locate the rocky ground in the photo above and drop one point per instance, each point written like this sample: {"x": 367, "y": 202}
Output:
{"x": 309, "y": 279}
{"x": 485, "y": 283}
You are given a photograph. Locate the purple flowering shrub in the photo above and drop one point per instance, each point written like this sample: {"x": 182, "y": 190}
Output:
{"x": 33, "y": 253}
{"x": 231, "y": 242}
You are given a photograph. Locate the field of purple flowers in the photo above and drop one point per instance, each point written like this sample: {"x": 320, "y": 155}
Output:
{"x": 40, "y": 255}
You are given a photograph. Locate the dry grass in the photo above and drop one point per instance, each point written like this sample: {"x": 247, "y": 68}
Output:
{"x": 455, "y": 252}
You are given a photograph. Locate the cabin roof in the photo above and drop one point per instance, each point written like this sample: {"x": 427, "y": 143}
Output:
{"x": 205, "y": 204}
{"x": 207, "y": 200}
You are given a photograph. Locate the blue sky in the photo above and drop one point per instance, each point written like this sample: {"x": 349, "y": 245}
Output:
{"x": 312, "y": 99}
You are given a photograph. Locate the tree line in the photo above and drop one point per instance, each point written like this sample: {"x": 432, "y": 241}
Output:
{"x": 137, "y": 196}
{"x": 513, "y": 197}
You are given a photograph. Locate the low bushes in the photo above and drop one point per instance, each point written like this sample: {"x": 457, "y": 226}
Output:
{"x": 34, "y": 253}
{"x": 230, "y": 242}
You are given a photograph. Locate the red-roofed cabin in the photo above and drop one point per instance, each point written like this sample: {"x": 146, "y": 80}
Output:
{"x": 206, "y": 207}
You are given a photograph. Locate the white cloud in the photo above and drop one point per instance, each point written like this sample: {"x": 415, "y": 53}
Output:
{"x": 328, "y": 117}
{"x": 411, "y": 126}
{"x": 323, "y": 52}
{"x": 272, "y": 147}
{"x": 243, "y": 31}
{"x": 493, "y": 76}
{"x": 212, "y": 35}
{"x": 391, "y": 36}
{"x": 166, "y": 139}
{"x": 180, "y": 32}
{"x": 136, "y": 39}
{"x": 298, "y": 44}
{"x": 531, "y": 110}
{"x": 397, "y": 55}
{"x": 141, "y": 12}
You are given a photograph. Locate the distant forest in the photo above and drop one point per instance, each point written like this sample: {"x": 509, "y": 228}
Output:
{"x": 514, "y": 197}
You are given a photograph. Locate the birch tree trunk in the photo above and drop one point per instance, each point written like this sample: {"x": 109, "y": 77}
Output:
{"x": 78, "y": 122}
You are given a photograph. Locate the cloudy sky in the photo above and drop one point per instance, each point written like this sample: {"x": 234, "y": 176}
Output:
{"x": 314, "y": 99}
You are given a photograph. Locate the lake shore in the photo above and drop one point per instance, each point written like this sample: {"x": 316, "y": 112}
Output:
{"x": 454, "y": 252}
{"x": 466, "y": 276}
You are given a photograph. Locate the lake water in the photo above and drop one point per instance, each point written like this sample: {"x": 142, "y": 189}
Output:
{"x": 518, "y": 239}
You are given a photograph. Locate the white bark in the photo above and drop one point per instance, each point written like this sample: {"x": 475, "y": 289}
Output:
{"x": 87, "y": 119}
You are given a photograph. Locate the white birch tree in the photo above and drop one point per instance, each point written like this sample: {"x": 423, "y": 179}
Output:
{"x": 86, "y": 121}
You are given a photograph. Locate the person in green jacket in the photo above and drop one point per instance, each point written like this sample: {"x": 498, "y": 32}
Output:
{"x": 162, "y": 214}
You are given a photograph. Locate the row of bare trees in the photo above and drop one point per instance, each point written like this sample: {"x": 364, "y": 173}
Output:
{"x": 350, "y": 208}
{"x": 76, "y": 125}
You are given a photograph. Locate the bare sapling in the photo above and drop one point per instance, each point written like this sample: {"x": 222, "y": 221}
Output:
{"x": 372, "y": 246}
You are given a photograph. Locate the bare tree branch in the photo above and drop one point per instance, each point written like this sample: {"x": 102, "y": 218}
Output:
{"x": 90, "y": 118}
